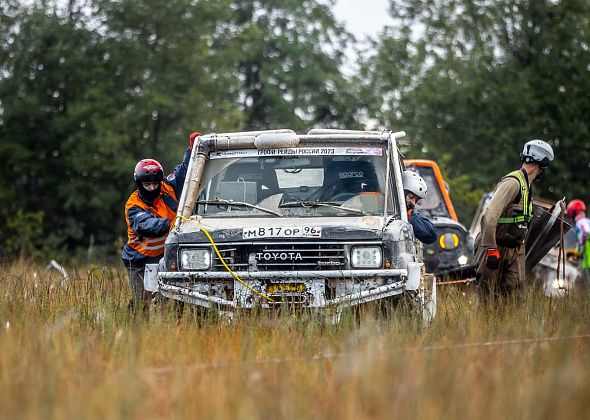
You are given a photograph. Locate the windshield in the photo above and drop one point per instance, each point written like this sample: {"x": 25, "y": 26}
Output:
{"x": 294, "y": 182}
{"x": 434, "y": 204}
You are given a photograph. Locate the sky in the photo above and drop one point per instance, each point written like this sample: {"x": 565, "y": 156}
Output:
{"x": 363, "y": 17}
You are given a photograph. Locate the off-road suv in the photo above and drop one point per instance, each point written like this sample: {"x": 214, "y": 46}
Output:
{"x": 273, "y": 218}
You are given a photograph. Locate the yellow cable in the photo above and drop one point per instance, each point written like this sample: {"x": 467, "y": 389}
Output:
{"x": 226, "y": 266}
{"x": 230, "y": 270}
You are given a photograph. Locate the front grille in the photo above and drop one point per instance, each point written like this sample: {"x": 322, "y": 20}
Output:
{"x": 283, "y": 256}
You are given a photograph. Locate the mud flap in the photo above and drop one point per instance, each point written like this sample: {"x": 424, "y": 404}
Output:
{"x": 544, "y": 233}
{"x": 150, "y": 278}
{"x": 427, "y": 298}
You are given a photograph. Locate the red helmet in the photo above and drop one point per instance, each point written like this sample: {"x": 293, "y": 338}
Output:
{"x": 148, "y": 170}
{"x": 574, "y": 207}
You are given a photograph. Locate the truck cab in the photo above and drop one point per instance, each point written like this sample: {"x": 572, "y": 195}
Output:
{"x": 273, "y": 218}
{"x": 450, "y": 257}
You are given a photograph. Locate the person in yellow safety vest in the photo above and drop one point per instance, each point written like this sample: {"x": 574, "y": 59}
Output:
{"x": 150, "y": 212}
{"x": 499, "y": 248}
{"x": 576, "y": 210}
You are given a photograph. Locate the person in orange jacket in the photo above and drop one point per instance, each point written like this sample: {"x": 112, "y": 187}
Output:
{"x": 150, "y": 212}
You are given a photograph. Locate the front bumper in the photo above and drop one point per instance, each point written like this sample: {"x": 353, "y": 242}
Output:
{"x": 465, "y": 272}
{"x": 446, "y": 265}
{"x": 353, "y": 287}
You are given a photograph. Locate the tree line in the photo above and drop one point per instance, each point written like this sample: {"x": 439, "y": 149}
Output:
{"x": 88, "y": 87}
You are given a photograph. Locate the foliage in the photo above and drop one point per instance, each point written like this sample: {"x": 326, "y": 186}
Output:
{"x": 169, "y": 81}
{"x": 465, "y": 197}
{"x": 475, "y": 80}
{"x": 89, "y": 87}
{"x": 71, "y": 349}
{"x": 49, "y": 123}
{"x": 26, "y": 229}
{"x": 289, "y": 63}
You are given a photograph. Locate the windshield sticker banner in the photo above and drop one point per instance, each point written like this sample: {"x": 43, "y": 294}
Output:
{"x": 282, "y": 232}
{"x": 300, "y": 151}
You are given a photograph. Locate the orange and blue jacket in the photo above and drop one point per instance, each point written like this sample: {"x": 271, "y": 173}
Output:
{"x": 148, "y": 222}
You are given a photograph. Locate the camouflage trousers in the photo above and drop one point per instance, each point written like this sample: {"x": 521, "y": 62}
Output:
{"x": 502, "y": 282}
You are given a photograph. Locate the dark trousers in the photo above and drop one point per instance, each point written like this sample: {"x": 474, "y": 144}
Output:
{"x": 139, "y": 297}
{"x": 505, "y": 280}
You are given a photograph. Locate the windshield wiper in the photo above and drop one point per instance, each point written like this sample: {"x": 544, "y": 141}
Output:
{"x": 312, "y": 204}
{"x": 224, "y": 202}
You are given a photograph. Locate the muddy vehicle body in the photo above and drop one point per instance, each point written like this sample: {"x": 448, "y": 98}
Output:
{"x": 271, "y": 219}
{"x": 451, "y": 256}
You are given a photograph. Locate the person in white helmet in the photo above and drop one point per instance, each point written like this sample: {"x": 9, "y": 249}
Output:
{"x": 415, "y": 189}
{"x": 499, "y": 248}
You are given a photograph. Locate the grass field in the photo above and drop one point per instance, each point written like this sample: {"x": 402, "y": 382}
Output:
{"x": 69, "y": 349}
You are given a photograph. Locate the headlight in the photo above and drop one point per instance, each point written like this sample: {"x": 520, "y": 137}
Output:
{"x": 448, "y": 241}
{"x": 366, "y": 257}
{"x": 195, "y": 259}
{"x": 462, "y": 260}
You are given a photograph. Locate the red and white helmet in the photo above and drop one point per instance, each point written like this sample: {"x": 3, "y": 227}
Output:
{"x": 148, "y": 170}
{"x": 574, "y": 207}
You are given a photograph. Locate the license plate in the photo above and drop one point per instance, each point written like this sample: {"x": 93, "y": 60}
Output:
{"x": 285, "y": 287}
{"x": 282, "y": 232}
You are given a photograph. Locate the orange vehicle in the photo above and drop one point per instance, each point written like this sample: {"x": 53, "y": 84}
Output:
{"x": 437, "y": 187}
{"x": 451, "y": 256}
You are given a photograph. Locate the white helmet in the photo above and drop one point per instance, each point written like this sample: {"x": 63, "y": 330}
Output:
{"x": 537, "y": 151}
{"x": 414, "y": 184}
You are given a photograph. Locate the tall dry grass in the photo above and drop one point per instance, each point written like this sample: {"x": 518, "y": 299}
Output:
{"x": 69, "y": 349}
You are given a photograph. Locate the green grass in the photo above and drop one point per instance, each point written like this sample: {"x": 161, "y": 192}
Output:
{"x": 69, "y": 349}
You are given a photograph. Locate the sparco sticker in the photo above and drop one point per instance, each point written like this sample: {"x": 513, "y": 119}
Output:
{"x": 282, "y": 232}
{"x": 300, "y": 151}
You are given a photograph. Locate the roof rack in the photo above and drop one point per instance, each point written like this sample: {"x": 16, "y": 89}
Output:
{"x": 253, "y": 133}
{"x": 323, "y": 131}
{"x": 279, "y": 137}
